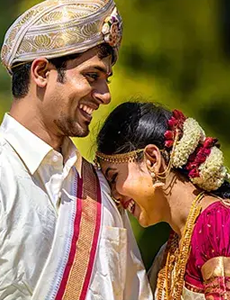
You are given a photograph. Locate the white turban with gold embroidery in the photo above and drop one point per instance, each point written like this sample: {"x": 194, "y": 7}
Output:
{"x": 55, "y": 28}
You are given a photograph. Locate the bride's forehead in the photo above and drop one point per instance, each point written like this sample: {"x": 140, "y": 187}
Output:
{"x": 130, "y": 166}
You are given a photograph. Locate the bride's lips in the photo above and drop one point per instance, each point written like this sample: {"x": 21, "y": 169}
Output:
{"x": 129, "y": 205}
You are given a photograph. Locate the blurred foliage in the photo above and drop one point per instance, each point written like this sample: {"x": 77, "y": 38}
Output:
{"x": 175, "y": 52}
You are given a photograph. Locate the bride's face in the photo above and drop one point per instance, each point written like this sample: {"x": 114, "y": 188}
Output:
{"x": 131, "y": 183}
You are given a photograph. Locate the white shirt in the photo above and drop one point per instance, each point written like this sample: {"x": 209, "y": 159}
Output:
{"x": 34, "y": 178}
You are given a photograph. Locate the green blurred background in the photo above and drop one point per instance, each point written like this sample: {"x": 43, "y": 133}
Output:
{"x": 176, "y": 52}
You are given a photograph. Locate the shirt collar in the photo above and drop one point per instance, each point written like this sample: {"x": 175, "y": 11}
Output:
{"x": 70, "y": 151}
{"x": 30, "y": 147}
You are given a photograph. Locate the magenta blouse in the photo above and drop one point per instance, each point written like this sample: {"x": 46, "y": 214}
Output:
{"x": 208, "y": 267}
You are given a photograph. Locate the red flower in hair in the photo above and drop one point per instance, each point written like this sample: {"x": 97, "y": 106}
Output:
{"x": 172, "y": 122}
{"x": 199, "y": 156}
{"x": 210, "y": 142}
{"x": 169, "y": 144}
{"x": 175, "y": 123}
{"x": 179, "y": 116}
{"x": 194, "y": 173}
{"x": 169, "y": 135}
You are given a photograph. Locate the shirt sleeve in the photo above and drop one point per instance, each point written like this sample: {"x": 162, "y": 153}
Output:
{"x": 208, "y": 267}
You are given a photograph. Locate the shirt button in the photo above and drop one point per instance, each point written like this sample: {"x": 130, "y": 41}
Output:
{"x": 55, "y": 158}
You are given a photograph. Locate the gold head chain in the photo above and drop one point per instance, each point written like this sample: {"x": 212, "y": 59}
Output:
{"x": 119, "y": 158}
{"x": 133, "y": 156}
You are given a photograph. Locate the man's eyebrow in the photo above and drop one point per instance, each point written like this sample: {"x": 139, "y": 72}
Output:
{"x": 103, "y": 70}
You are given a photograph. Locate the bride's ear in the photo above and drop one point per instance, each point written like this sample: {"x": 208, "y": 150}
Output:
{"x": 153, "y": 158}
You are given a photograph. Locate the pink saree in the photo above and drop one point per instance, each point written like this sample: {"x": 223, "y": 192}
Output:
{"x": 207, "y": 274}
{"x": 208, "y": 266}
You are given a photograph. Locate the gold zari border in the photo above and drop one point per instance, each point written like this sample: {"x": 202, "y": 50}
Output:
{"x": 216, "y": 267}
{"x": 84, "y": 245}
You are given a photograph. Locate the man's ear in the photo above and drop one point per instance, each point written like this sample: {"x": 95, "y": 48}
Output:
{"x": 153, "y": 158}
{"x": 40, "y": 69}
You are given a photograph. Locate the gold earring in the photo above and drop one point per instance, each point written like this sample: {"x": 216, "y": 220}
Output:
{"x": 155, "y": 178}
{"x": 156, "y": 181}
{"x": 153, "y": 175}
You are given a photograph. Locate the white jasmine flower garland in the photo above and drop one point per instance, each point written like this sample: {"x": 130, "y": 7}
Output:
{"x": 212, "y": 171}
{"x": 206, "y": 168}
{"x": 192, "y": 134}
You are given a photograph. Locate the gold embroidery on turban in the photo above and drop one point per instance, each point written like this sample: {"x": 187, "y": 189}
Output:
{"x": 55, "y": 28}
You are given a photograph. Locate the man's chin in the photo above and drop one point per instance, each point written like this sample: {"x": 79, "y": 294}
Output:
{"x": 84, "y": 134}
{"x": 81, "y": 132}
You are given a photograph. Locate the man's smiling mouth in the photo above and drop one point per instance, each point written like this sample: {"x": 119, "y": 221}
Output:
{"x": 86, "y": 109}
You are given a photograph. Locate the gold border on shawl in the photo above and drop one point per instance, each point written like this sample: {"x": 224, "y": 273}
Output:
{"x": 79, "y": 268}
{"x": 193, "y": 288}
{"x": 216, "y": 267}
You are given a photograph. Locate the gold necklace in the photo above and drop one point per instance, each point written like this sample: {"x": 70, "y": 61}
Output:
{"x": 171, "y": 277}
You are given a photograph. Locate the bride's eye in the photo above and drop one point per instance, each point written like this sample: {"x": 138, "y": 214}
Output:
{"x": 113, "y": 178}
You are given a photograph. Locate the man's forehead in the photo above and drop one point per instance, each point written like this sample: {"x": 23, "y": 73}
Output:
{"x": 92, "y": 60}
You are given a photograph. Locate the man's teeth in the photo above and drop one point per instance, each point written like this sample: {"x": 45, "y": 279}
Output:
{"x": 131, "y": 206}
{"x": 86, "y": 109}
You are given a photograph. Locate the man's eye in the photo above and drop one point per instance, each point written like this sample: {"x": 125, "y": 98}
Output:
{"x": 108, "y": 80}
{"x": 92, "y": 76}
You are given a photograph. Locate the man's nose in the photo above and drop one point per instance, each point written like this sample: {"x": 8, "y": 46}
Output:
{"x": 102, "y": 94}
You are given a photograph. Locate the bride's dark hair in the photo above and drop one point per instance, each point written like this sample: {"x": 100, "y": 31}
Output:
{"x": 133, "y": 125}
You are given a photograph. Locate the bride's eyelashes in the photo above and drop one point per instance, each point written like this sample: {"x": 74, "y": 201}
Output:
{"x": 113, "y": 178}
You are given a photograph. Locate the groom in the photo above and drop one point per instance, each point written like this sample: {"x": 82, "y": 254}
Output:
{"x": 61, "y": 235}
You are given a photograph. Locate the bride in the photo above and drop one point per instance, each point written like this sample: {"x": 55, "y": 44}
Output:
{"x": 162, "y": 168}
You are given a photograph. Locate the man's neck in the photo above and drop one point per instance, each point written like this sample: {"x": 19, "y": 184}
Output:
{"x": 25, "y": 114}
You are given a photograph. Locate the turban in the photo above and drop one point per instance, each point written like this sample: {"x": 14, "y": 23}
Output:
{"x": 55, "y": 28}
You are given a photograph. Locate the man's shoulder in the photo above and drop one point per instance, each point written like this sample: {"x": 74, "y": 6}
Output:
{"x": 3, "y": 145}
{"x": 111, "y": 214}
{"x": 9, "y": 159}
{"x": 97, "y": 172}
{"x": 103, "y": 182}
{"x": 2, "y": 139}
